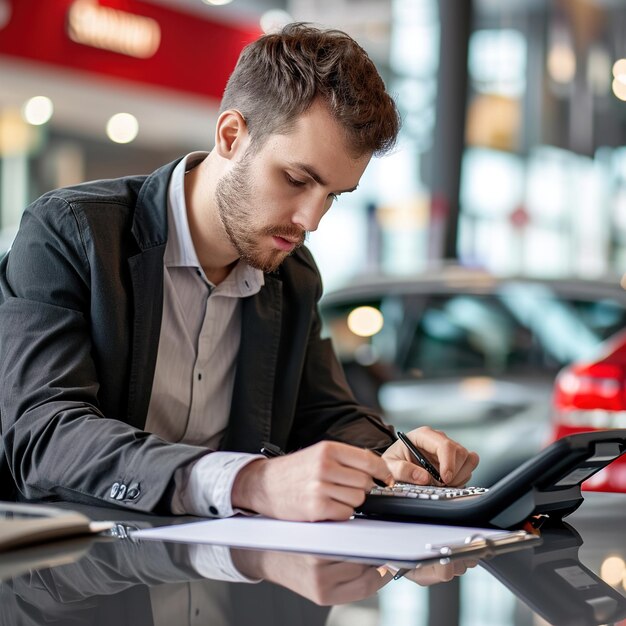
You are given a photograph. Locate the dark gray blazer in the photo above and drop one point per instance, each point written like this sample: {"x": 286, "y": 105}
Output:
{"x": 81, "y": 295}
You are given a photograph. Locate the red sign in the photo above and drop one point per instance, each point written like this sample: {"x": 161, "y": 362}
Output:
{"x": 194, "y": 55}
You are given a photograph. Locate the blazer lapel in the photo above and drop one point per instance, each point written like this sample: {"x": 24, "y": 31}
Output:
{"x": 251, "y": 408}
{"x": 146, "y": 270}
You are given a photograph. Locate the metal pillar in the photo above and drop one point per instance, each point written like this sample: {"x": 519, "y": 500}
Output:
{"x": 449, "y": 140}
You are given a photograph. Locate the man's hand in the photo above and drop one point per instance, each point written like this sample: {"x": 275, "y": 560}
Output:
{"x": 323, "y": 482}
{"x": 434, "y": 573}
{"x": 321, "y": 580}
{"x": 454, "y": 462}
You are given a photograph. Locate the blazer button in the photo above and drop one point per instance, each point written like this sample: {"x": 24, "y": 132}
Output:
{"x": 133, "y": 491}
{"x": 121, "y": 493}
{"x": 115, "y": 487}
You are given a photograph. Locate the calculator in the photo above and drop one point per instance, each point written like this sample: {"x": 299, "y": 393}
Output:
{"x": 425, "y": 492}
{"x": 547, "y": 485}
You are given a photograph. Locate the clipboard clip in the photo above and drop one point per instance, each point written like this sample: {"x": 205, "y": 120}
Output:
{"x": 476, "y": 546}
{"x": 484, "y": 546}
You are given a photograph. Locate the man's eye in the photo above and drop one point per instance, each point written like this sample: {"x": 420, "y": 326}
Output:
{"x": 294, "y": 181}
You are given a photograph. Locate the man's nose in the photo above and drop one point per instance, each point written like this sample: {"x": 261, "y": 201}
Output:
{"x": 310, "y": 213}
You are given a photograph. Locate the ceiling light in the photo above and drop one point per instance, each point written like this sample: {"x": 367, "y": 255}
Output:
{"x": 274, "y": 20}
{"x": 122, "y": 128}
{"x": 38, "y": 110}
{"x": 217, "y": 3}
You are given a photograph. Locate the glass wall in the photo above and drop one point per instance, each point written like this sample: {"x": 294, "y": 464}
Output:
{"x": 542, "y": 188}
{"x": 542, "y": 180}
{"x": 386, "y": 225}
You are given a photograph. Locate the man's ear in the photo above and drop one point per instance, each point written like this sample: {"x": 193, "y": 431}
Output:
{"x": 231, "y": 134}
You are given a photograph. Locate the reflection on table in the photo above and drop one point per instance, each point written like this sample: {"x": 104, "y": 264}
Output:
{"x": 121, "y": 581}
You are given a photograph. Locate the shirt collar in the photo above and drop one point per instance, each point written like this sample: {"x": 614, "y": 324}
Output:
{"x": 243, "y": 280}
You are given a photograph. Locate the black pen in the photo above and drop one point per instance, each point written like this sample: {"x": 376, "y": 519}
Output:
{"x": 422, "y": 460}
{"x": 270, "y": 450}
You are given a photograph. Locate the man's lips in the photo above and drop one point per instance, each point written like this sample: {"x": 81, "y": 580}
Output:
{"x": 283, "y": 243}
{"x": 288, "y": 240}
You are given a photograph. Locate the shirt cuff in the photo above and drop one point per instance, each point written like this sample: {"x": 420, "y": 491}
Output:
{"x": 204, "y": 487}
{"x": 216, "y": 563}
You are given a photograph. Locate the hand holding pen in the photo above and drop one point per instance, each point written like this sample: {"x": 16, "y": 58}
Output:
{"x": 419, "y": 457}
{"x": 324, "y": 481}
{"x": 271, "y": 451}
{"x": 452, "y": 464}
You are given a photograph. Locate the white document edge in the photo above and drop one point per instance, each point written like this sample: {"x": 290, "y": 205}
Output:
{"x": 355, "y": 537}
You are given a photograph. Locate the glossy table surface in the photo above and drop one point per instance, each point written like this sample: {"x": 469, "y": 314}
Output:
{"x": 575, "y": 575}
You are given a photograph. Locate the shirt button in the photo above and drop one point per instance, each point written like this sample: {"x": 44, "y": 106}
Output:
{"x": 213, "y": 510}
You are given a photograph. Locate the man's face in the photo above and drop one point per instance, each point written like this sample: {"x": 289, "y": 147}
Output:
{"x": 273, "y": 196}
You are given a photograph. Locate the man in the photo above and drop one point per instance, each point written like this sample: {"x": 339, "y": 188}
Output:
{"x": 155, "y": 331}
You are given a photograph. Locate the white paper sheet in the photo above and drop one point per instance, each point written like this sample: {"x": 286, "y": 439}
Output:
{"x": 355, "y": 537}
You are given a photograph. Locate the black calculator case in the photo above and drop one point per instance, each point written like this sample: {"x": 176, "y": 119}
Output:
{"x": 547, "y": 485}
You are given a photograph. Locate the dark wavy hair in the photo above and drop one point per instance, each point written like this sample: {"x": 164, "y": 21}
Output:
{"x": 278, "y": 76}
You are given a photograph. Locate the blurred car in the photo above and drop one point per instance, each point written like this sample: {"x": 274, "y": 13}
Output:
{"x": 591, "y": 395}
{"x": 469, "y": 353}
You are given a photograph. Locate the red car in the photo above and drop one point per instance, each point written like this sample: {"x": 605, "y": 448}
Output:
{"x": 592, "y": 396}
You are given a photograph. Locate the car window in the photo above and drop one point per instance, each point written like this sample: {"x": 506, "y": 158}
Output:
{"x": 523, "y": 329}
{"x": 604, "y": 317}
{"x": 516, "y": 331}
{"x": 462, "y": 334}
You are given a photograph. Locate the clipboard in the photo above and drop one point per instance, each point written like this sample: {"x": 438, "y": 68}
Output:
{"x": 548, "y": 485}
{"x": 364, "y": 538}
{"x": 479, "y": 546}
{"x": 23, "y": 525}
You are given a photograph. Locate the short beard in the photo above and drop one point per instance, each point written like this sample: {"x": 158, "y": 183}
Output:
{"x": 235, "y": 209}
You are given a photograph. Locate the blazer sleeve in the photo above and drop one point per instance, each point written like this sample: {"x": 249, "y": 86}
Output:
{"x": 57, "y": 442}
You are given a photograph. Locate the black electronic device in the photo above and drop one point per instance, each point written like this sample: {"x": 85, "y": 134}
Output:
{"x": 554, "y": 583}
{"x": 547, "y": 484}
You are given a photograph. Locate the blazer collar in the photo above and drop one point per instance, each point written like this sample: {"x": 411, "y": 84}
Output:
{"x": 150, "y": 219}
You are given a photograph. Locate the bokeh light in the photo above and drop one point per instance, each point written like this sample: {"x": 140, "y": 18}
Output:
{"x": 365, "y": 321}
{"x": 122, "y": 128}
{"x": 38, "y": 110}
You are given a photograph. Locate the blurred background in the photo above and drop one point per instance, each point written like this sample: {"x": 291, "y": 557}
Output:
{"x": 473, "y": 264}
{"x": 511, "y": 156}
